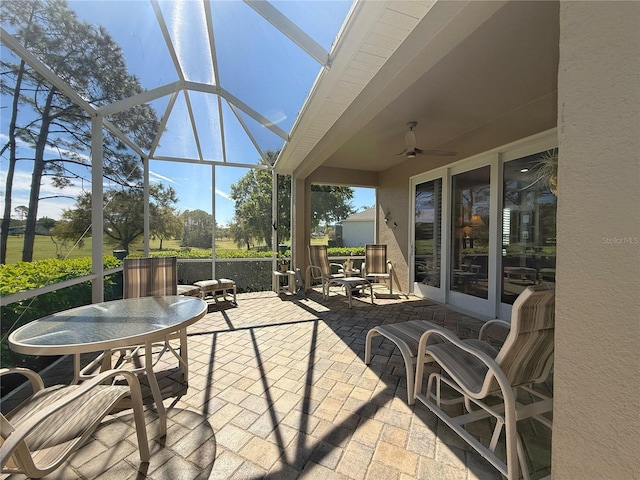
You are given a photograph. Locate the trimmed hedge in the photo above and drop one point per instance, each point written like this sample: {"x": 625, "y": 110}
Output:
{"x": 23, "y": 276}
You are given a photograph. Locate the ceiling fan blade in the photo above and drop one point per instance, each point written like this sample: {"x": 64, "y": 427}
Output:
{"x": 436, "y": 153}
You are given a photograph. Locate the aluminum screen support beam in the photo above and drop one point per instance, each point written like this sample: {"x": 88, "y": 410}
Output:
{"x": 145, "y": 205}
{"x": 167, "y": 38}
{"x": 274, "y": 230}
{"x": 19, "y": 49}
{"x": 234, "y": 109}
{"x": 213, "y": 228}
{"x": 291, "y": 30}
{"x": 97, "y": 215}
{"x": 140, "y": 98}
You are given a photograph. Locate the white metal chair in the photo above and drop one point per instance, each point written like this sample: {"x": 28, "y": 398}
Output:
{"x": 487, "y": 381}
{"x": 39, "y": 434}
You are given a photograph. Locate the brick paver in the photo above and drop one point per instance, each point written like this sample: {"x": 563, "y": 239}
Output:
{"x": 279, "y": 389}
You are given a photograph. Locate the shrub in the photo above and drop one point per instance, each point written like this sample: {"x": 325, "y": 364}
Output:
{"x": 23, "y": 276}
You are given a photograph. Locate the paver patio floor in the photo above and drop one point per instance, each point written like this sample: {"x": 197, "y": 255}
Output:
{"x": 278, "y": 389}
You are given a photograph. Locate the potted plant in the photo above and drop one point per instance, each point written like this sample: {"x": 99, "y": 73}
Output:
{"x": 283, "y": 262}
{"x": 546, "y": 170}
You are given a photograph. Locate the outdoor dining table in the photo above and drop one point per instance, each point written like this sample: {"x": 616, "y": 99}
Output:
{"x": 111, "y": 325}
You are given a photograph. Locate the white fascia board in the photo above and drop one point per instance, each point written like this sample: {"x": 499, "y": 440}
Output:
{"x": 319, "y": 131}
{"x": 139, "y": 99}
{"x": 291, "y": 30}
{"x": 12, "y": 42}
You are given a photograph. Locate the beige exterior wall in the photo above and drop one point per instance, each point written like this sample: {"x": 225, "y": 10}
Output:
{"x": 392, "y": 201}
{"x": 597, "y": 382}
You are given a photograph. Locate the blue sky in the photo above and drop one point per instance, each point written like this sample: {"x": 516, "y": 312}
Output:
{"x": 257, "y": 64}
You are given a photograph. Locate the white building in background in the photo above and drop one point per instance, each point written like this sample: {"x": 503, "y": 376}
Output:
{"x": 359, "y": 229}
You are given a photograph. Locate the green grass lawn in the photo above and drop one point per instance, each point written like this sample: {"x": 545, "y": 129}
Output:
{"x": 44, "y": 247}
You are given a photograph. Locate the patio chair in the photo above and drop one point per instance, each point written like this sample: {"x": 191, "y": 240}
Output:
{"x": 320, "y": 268}
{"x": 487, "y": 381}
{"x": 40, "y": 433}
{"x": 376, "y": 267}
{"x": 406, "y": 336}
{"x": 147, "y": 277}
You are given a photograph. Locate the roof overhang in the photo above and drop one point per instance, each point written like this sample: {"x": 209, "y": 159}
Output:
{"x": 474, "y": 75}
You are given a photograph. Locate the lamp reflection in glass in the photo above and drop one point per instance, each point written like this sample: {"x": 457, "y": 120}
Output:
{"x": 476, "y": 221}
{"x": 469, "y": 230}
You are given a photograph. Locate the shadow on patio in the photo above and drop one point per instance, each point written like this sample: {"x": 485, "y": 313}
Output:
{"x": 279, "y": 389}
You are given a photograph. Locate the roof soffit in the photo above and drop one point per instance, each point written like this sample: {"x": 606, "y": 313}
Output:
{"x": 382, "y": 51}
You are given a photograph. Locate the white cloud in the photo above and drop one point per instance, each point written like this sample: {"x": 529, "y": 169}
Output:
{"x": 153, "y": 176}
{"x": 49, "y": 207}
{"x": 223, "y": 194}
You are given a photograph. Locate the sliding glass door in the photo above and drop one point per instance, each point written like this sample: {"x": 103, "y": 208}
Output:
{"x": 470, "y": 270}
{"x": 485, "y": 228}
{"x": 528, "y": 225}
{"x": 427, "y": 244}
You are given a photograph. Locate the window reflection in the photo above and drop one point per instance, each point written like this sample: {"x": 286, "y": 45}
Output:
{"x": 528, "y": 224}
{"x": 428, "y": 232}
{"x": 470, "y": 252}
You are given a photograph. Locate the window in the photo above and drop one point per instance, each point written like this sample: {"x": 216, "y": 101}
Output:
{"x": 528, "y": 223}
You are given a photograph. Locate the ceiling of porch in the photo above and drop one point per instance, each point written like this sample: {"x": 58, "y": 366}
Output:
{"x": 473, "y": 75}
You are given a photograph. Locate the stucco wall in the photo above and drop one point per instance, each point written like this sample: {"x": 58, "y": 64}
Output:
{"x": 597, "y": 386}
{"x": 393, "y": 202}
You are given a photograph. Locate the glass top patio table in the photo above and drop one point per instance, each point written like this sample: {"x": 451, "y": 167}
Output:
{"x": 111, "y": 325}
{"x": 101, "y": 326}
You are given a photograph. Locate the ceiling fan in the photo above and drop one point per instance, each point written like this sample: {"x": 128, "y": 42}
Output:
{"x": 411, "y": 150}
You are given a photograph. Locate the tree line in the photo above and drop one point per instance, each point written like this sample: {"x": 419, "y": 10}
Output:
{"x": 46, "y": 120}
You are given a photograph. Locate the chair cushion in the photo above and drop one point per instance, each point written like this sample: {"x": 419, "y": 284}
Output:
{"x": 468, "y": 371}
{"x": 189, "y": 290}
{"x": 68, "y": 423}
{"x": 408, "y": 333}
{"x": 213, "y": 285}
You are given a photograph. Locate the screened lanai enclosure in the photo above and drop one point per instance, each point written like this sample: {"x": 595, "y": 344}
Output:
{"x": 146, "y": 128}
{"x": 153, "y": 125}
